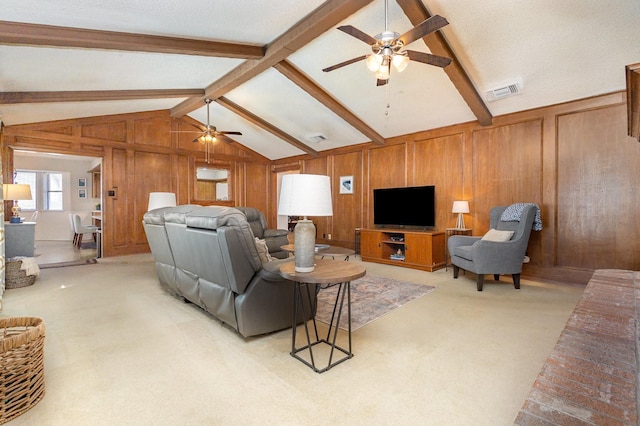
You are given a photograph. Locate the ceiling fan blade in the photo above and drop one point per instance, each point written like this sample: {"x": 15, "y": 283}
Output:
{"x": 231, "y": 133}
{"x": 345, "y": 63}
{"x": 196, "y": 139}
{"x": 422, "y": 29}
{"x": 225, "y": 138}
{"x": 354, "y": 32}
{"x": 426, "y": 58}
{"x": 381, "y": 82}
{"x": 186, "y": 131}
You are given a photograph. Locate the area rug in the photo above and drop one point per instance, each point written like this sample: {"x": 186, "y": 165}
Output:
{"x": 371, "y": 298}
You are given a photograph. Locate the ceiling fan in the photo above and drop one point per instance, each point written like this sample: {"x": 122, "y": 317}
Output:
{"x": 209, "y": 133}
{"x": 387, "y": 48}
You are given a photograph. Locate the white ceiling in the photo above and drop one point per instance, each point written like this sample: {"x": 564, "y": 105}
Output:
{"x": 559, "y": 50}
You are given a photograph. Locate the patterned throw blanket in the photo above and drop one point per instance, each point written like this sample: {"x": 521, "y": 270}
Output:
{"x": 514, "y": 211}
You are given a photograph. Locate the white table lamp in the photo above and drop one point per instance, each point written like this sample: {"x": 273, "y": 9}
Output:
{"x": 161, "y": 199}
{"x": 305, "y": 195}
{"x": 16, "y": 192}
{"x": 460, "y": 207}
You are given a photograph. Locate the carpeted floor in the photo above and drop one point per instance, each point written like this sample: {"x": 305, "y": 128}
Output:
{"x": 371, "y": 298}
{"x": 121, "y": 351}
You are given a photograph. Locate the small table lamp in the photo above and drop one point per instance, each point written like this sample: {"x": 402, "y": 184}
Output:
{"x": 161, "y": 199}
{"x": 16, "y": 192}
{"x": 305, "y": 195}
{"x": 460, "y": 207}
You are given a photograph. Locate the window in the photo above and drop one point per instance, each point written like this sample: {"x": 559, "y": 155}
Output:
{"x": 53, "y": 191}
{"x": 46, "y": 188}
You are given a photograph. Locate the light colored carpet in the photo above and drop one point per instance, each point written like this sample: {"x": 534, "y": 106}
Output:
{"x": 372, "y": 297}
{"x": 120, "y": 351}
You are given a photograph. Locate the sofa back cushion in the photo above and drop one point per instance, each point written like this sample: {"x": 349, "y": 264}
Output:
{"x": 256, "y": 220}
{"x": 214, "y": 244}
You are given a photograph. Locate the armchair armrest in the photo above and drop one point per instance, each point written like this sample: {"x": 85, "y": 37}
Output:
{"x": 494, "y": 256}
{"x": 460, "y": 240}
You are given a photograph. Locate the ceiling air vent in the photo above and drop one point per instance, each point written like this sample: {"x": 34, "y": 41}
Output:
{"x": 316, "y": 138}
{"x": 510, "y": 89}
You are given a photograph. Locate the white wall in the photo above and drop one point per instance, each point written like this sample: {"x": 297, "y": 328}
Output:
{"x": 54, "y": 225}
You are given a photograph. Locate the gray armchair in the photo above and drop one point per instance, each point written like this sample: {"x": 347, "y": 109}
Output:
{"x": 482, "y": 257}
{"x": 275, "y": 238}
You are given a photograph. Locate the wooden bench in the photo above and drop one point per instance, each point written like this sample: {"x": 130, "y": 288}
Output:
{"x": 591, "y": 375}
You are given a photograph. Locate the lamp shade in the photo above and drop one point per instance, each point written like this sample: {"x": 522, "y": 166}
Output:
{"x": 161, "y": 199}
{"x": 460, "y": 207}
{"x": 305, "y": 195}
{"x": 16, "y": 191}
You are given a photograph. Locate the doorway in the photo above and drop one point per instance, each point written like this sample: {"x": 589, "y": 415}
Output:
{"x": 53, "y": 229}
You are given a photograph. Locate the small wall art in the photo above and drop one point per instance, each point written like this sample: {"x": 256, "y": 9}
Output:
{"x": 82, "y": 182}
{"x": 346, "y": 184}
{"x": 82, "y": 193}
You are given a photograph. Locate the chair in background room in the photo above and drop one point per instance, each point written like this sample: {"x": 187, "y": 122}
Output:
{"x": 80, "y": 230}
{"x": 501, "y": 250}
{"x": 73, "y": 229}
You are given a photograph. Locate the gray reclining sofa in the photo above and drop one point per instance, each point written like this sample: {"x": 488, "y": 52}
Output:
{"x": 208, "y": 256}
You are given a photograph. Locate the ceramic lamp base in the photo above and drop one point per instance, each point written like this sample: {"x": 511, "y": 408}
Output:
{"x": 304, "y": 239}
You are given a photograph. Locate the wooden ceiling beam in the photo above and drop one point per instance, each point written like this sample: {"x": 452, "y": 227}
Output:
{"x": 249, "y": 116}
{"x": 317, "y": 22}
{"x": 308, "y": 85}
{"x": 49, "y": 35}
{"x": 438, "y": 45}
{"x": 94, "y": 95}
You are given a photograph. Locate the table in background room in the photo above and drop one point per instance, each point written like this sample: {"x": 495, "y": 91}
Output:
{"x": 20, "y": 239}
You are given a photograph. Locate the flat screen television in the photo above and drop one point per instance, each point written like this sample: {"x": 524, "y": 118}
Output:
{"x": 413, "y": 206}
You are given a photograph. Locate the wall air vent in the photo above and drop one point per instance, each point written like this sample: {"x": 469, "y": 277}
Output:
{"x": 507, "y": 90}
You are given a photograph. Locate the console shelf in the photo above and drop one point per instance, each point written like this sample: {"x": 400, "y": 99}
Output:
{"x": 413, "y": 249}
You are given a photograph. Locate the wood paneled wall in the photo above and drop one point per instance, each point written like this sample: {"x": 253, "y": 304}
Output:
{"x": 574, "y": 160}
{"x": 140, "y": 154}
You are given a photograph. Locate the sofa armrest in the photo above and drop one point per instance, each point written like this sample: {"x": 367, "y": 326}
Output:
{"x": 271, "y": 270}
{"x": 268, "y": 233}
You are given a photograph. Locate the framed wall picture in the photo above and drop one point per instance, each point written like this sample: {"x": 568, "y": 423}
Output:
{"x": 82, "y": 182}
{"x": 346, "y": 184}
{"x": 82, "y": 193}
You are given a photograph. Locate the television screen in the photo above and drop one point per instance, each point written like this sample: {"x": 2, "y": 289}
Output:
{"x": 412, "y": 206}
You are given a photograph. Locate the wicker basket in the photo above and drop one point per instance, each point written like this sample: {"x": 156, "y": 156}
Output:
{"x": 21, "y": 365}
{"x": 16, "y": 277}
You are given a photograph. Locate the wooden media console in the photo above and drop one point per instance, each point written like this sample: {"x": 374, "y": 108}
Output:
{"x": 413, "y": 249}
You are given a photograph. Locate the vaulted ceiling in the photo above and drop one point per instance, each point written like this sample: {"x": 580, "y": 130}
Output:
{"x": 262, "y": 62}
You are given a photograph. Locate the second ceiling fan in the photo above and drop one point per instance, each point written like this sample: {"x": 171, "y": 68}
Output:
{"x": 387, "y": 48}
{"x": 209, "y": 133}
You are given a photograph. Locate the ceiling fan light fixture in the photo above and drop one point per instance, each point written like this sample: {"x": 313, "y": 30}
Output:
{"x": 207, "y": 138}
{"x": 400, "y": 62}
{"x": 383, "y": 71}
{"x": 373, "y": 62}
